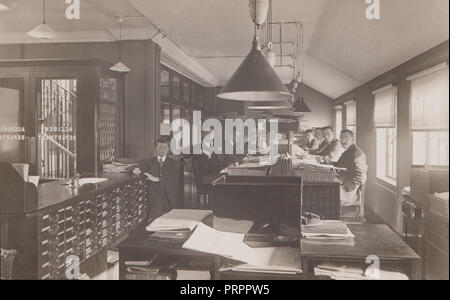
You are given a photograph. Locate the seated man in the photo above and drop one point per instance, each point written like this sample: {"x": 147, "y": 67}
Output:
{"x": 313, "y": 143}
{"x": 333, "y": 150}
{"x": 354, "y": 160}
{"x": 162, "y": 171}
{"x": 318, "y": 135}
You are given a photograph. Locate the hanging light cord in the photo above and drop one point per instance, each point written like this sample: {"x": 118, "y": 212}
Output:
{"x": 43, "y": 4}
{"x": 120, "y": 38}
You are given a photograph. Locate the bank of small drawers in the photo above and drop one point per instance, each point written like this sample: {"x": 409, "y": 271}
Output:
{"x": 85, "y": 228}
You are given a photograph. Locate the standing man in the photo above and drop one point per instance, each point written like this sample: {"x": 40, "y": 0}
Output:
{"x": 162, "y": 171}
{"x": 354, "y": 161}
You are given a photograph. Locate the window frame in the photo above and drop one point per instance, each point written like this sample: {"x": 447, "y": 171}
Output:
{"x": 339, "y": 122}
{"x": 196, "y": 96}
{"x": 427, "y": 131}
{"x": 347, "y": 124}
{"x": 387, "y": 178}
{"x": 427, "y": 148}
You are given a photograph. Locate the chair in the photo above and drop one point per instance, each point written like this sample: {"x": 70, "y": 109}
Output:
{"x": 355, "y": 213}
{"x": 203, "y": 190}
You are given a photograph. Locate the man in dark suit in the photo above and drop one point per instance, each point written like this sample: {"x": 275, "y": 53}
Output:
{"x": 313, "y": 143}
{"x": 355, "y": 163}
{"x": 162, "y": 171}
{"x": 333, "y": 150}
{"x": 318, "y": 134}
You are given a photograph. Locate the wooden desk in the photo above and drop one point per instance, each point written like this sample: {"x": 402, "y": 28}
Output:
{"x": 322, "y": 198}
{"x": 378, "y": 240}
{"x": 137, "y": 247}
{"x": 370, "y": 239}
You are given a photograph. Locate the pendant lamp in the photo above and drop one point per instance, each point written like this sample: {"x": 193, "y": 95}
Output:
{"x": 301, "y": 106}
{"x": 4, "y": 7}
{"x": 42, "y": 31}
{"x": 269, "y": 105}
{"x": 120, "y": 66}
{"x": 255, "y": 80}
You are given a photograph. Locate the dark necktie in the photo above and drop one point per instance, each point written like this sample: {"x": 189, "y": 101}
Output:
{"x": 161, "y": 163}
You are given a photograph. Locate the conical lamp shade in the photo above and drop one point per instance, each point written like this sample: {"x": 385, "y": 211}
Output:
{"x": 120, "y": 67}
{"x": 3, "y": 7}
{"x": 269, "y": 105}
{"x": 255, "y": 80}
{"x": 301, "y": 106}
{"x": 42, "y": 31}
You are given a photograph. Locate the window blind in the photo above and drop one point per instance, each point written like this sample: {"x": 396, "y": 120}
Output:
{"x": 386, "y": 107}
{"x": 429, "y": 99}
{"x": 350, "y": 108}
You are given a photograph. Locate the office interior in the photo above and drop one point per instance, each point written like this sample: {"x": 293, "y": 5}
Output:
{"x": 88, "y": 94}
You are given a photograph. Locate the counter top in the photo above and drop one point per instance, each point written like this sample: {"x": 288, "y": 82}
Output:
{"x": 57, "y": 194}
{"x": 283, "y": 168}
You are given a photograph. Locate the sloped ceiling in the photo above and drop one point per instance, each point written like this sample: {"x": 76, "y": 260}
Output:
{"x": 343, "y": 49}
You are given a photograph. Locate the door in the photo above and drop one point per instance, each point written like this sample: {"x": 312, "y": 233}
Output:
{"x": 12, "y": 127}
{"x": 56, "y": 127}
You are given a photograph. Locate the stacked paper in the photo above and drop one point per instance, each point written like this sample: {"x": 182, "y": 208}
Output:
{"x": 115, "y": 167}
{"x": 327, "y": 230}
{"x": 231, "y": 245}
{"x": 340, "y": 272}
{"x": 178, "y": 219}
{"x": 352, "y": 272}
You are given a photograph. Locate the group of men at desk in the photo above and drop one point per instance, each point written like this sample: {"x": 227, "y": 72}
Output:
{"x": 322, "y": 144}
{"x": 324, "y": 147}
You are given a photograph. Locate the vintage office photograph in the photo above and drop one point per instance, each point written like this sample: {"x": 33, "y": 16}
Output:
{"x": 224, "y": 140}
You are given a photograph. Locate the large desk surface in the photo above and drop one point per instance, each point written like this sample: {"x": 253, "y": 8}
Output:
{"x": 319, "y": 197}
{"x": 370, "y": 239}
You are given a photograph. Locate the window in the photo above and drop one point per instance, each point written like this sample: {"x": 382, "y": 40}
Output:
{"x": 165, "y": 85}
{"x": 186, "y": 95}
{"x": 386, "y": 154}
{"x": 164, "y": 126}
{"x": 429, "y": 117}
{"x": 338, "y": 124}
{"x": 175, "y": 88}
{"x": 350, "y": 108}
{"x": 179, "y": 97}
{"x": 386, "y": 133}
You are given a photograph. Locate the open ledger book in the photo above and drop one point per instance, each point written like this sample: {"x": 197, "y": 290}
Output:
{"x": 327, "y": 230}
{"x": 178, "y": 219}
{"x": 231, "y": 245}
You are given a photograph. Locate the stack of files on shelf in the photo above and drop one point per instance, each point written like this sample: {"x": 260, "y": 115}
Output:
{"x": 354, "y": 272}
{"x": 274, "y": 268}
{"x": 327, "y": 230}
{"x": 115, "y": 167}
{"x": 161, "y": 267}
{"x": 340, "y": 272}
{"x": 178, "y": 220}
